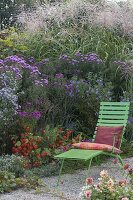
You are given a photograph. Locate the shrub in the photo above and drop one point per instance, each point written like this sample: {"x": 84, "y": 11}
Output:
{"x": 39, "y": 148}
{"x": 13, "y": 164}
{"x": 8, "y": 182}
{"x": 107, "y": 188}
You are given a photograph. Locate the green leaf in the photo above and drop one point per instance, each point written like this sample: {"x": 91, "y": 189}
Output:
{"x": 18, "y": 143}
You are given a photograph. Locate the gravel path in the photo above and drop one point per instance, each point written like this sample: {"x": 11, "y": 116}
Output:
{"x": 71, "y": 184}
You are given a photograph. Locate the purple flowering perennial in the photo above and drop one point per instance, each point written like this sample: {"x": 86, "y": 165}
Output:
{"x": 130, "y": 120}
{"x": 1, "y": 62}
{"x": 64, "y": 57}
{"x": 59, "y": 75}
{"x": 35, "y": 114}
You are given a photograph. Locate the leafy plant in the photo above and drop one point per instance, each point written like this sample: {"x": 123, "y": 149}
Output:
{"x": 9, "y": 182}
{"x": 13, "y": 164}
{"x": 107, "y": 188}
{"x": 37, "y": 149}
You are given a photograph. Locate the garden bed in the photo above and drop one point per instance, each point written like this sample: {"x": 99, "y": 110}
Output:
{"x": 70, "y": 186}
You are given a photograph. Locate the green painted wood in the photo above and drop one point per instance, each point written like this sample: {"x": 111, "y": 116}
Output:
{"x": 113, "y": 112}
{"x": 107, "y": 108}
{"x": 104, "y": 124}
{"x": 80, "y": 154}
{"x": 112, "y": 121}
{"x": 115, "y": 103}
{"x": 113, "y": 117}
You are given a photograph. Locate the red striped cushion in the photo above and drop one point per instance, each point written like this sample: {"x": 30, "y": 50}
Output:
{"x": 96, "y": 146}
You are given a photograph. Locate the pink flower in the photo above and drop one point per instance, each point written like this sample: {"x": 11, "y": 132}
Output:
{"x": 115, "y": 161}
{"x": 122, "y": 183}
{"x": 125, "y": 198}
{"x": 89, "y": 181}
{"x": 88, "y": 194}
{"x": 104, "y": 173}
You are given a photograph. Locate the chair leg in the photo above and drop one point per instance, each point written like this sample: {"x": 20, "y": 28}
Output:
{"x": 97, "y": 159}
{"x": 121, "y": 160}
{"x": 58, "y": 181}
{"x": 88, "y": 170}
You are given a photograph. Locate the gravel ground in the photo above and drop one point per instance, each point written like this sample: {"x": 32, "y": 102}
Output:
{"x": 71, "y": 184}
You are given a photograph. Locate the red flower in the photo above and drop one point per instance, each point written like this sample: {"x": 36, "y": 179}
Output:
{"x": 43, "y": 154}
{"x": 126, "y": 166}
{"x": 27, "y": 129}
{"x": 14, "y": 150}
{"x": 35, "y": 146}
{"x": 65, "y": 137}
{"x": 30, "y": 148}
{"x": 115, "y": 161}
{"x": 38, "y": 156}
{"x": 24, "y": 140}
{"x": 36, "y": 164}
{"x": 19, "y": 148}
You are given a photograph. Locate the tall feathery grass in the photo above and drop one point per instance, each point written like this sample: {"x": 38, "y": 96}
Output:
{"x": 51, "y": 29}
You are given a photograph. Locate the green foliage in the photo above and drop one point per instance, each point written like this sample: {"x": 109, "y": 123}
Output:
{"x": 13, "y": 164}
{"x": 7, "y": 181}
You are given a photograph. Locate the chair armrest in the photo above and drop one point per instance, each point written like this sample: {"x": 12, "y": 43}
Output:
{"x": 114, "y": 140}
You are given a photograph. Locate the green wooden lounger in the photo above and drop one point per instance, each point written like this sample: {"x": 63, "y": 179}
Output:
{"x": 110, "y": 114}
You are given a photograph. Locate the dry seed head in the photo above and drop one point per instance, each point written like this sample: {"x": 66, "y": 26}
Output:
{"x": 105, "y": 14}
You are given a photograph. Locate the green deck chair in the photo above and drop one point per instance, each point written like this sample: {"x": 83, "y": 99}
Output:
{"x": 110, "y": 114}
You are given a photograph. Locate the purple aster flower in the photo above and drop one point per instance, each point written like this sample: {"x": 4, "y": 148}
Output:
{"x": 64, "y": 57}
{"x": 35, "y": 114}
{"x": 130, "y": 120}
{"x": 45, "y": 81}
{"x": 74, "y": 62}
{"x": 43, "y": 62}
{"x": 37, "y": 82}
{"x": 78, "y": 54}
{"x": 70, "y": 88}
{"x": 1, "y": 62}
{"x": 89, "y": 140}
{"x": 120, "y": 63}
{"x": 34, "y": 70}
{"x": 15, "y": 59}
{"x": 59, "y": 75}
{"x": 22, "y": 114}
{"x": 31, "y": 59}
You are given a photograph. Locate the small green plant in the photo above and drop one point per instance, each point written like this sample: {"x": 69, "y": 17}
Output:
{"x": 8, "y": 182}
{"x": 13, "y": 164}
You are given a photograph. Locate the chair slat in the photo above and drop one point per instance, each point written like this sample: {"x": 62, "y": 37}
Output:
{"x": 113, "y": 117}
{"x": 116, "y": 103}
{"x": 113, "y": 112}
{"x": 113, "y": 108}
{"x": 108, "y": 124}
{"x": 112, "y": 121}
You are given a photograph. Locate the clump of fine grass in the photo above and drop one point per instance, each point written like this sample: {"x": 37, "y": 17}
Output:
{"x": 62, "y": 13}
